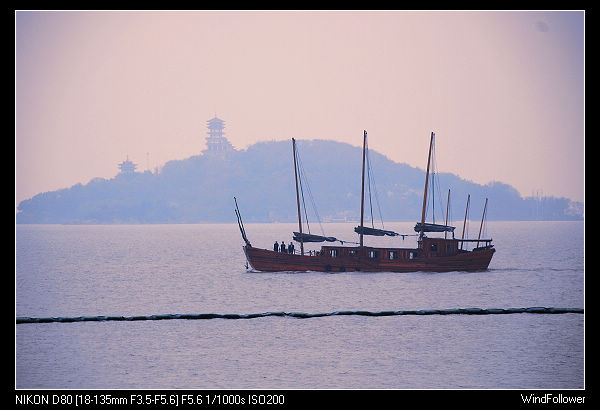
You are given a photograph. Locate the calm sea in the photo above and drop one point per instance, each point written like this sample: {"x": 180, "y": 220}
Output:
{"x": 128, "y": 270}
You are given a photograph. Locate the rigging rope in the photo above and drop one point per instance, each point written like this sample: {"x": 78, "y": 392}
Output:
{"x": 435, "y": 186}
{"x": 371, "y": 176}
{"x": 369, "y": 187}
{"x": 302, "y": 175}
{"x": 302, "y": 191}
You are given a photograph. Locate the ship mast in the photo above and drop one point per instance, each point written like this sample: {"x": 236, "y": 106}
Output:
{"x": 482, "y": 218}
{"x": 362, "y": 191}
{"x": 425, "y": 192}
{"x": 465, "y": 222}
{"x": 447, "y": 207}
{"x": 298, "y": 198}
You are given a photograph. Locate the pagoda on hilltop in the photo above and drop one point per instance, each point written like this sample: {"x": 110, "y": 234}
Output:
{"x": 127, "y": 167}
{"x": 216, "y": 143}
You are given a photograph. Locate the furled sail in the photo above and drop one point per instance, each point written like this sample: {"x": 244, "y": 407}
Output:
{"x": 427, "y": 227}
{"x": 365, "y": 230}
{"x": 307, "y": 237}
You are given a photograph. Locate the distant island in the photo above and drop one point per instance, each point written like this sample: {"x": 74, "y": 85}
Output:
{"x": 201, "y": 189}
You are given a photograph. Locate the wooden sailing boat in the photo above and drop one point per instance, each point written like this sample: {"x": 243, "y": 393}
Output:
{"x": 432, "y": 254}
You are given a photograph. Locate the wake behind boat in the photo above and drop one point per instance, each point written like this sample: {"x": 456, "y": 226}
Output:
{"x": 432, "y": 254}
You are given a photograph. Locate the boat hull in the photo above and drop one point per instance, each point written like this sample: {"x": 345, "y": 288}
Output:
{"x": 271, "y": 261}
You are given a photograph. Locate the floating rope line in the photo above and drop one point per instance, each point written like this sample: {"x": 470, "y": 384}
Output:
{"x": 301, "y": 315}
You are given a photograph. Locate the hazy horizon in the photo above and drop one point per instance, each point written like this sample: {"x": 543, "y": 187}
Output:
{"x": 503, "y": 91}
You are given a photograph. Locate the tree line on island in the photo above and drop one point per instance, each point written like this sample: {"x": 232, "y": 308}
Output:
{"x": 201, "y": 189}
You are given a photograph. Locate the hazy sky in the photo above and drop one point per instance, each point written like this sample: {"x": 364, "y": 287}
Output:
{"x": 503, "y": 91}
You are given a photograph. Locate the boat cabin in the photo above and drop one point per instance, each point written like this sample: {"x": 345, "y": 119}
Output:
{"x": 431, "y": 247}
{"x": 370, "y": 253}
{"x": 428, "y": 248}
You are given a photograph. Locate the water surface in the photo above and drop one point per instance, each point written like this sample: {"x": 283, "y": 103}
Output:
{"x": 128, "y": 270}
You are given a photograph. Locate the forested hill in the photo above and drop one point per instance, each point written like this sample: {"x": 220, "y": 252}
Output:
{"x": 201, "y": 189}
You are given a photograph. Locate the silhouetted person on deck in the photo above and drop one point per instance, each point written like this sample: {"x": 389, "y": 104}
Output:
{"x": 291, "y": 248}
{"x": 276, "y": 247}
{"x": 282, "y": 247}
